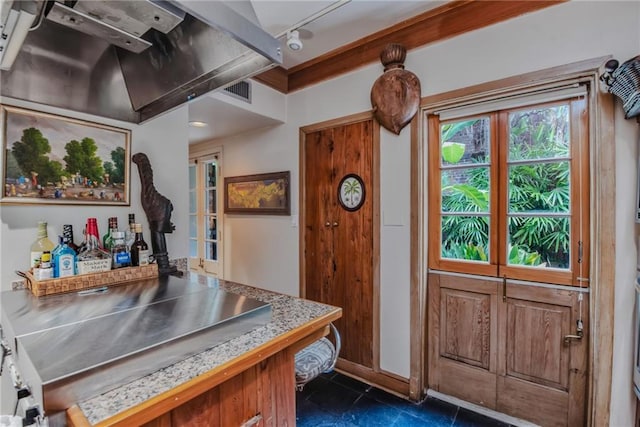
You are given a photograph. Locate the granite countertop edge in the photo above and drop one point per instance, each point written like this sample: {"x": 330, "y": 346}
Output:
{"x": 288, "y": 313}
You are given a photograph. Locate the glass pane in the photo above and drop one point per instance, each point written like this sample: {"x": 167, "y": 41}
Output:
{"x": 540, "y": 187}
{"x": 211, "y": 201}
{"x": 465, "y": 190}
{"x": 193, "y": 248}
{"x": 211, "y": 175}
{"x": 465, "y": 142}
{"x": 192, "y": 177}
{"x": 539, "y": 241}
{"x": 193, "y": 226}
{"x": 212, "y": 251}
{"x": 212, "y": 228}
{"x": 465, "y": 237}
{"x": 539, "y": 133}
{"x": 193, "y": 202}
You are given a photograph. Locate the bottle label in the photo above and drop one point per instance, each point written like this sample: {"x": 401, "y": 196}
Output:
{"x": 143, "y": 257}
{"x": 65, "y": 265}
{"x": 93, "y": 266}
{"x": 121, "y": 259}
{"x": 35, "y": 258}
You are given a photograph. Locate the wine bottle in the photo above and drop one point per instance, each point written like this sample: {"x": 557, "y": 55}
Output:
{"x": 41, "y": 244}
{"x": 67, "y": 231}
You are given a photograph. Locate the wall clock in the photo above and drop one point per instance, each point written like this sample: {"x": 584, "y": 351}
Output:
{"x": 351, "y": 192}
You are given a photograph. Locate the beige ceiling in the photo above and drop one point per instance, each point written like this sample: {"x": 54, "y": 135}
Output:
{"x": 326, "y": 25}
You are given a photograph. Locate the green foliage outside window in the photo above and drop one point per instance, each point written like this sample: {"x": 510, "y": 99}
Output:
{"x": 537, "y": 187}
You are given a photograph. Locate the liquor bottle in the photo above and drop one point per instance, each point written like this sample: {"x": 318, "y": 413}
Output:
{"x": 64, "y": 260}
{"x": 139, "y": 248}
{"x": 67, "y": 231}
{"x": 53, "y": 254}
{"x": 120, "y": 256}
{"x": 130, "y": 233}
{"x": 41, "y": 244}
{"x": 91, "y": 248}
{"x": 44, "y": 270}
{"x": 107, "y": 240}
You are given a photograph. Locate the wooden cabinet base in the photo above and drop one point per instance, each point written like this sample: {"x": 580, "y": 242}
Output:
{"x": 262, "y": 395}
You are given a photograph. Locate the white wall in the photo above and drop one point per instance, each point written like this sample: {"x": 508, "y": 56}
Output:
{"x": 555, "y": 36}
{"x": 164, "y": 140}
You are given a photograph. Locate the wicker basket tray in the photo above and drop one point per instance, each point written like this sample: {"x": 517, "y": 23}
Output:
{"x": 87, "y": 281}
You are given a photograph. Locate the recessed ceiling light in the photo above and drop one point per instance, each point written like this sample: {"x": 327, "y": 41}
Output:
{"x": 197, "y": 124}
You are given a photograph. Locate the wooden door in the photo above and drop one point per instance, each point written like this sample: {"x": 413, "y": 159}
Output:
{"x": 536, "y": 364}
{"x": 339, "y": 244}
{"x": 318, "y": 217}
{"x": 509, "y": 354}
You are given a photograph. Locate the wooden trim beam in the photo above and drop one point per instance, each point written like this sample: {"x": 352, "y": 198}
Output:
{"x": 449, "y": 20}
{"x": 276, "y": 78}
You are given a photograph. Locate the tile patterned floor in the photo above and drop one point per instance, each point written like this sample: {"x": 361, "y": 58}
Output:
{"x": 337, "y": 400}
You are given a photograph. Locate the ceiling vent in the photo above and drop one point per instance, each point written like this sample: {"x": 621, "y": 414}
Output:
{"x": 240, "y": 90}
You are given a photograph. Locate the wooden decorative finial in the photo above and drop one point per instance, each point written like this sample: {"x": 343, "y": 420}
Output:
{"x": 395, "y": 95}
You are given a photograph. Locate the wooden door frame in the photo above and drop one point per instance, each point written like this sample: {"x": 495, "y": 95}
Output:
{"x": 602, "y": 274}
{"x": 375, "y": 375}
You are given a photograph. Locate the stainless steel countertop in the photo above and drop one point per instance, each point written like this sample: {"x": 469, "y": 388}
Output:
{"x": 73, "y": 346}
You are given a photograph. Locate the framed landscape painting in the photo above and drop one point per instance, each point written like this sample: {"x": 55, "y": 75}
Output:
{"x": 49, "y": 159}
{"x": 263, "y": 194}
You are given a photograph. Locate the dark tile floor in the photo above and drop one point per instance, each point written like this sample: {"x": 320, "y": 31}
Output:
{"x": 337, "y": 400}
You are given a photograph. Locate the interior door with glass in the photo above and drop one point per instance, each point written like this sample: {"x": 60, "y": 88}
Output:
{"x": 205, "y": 236}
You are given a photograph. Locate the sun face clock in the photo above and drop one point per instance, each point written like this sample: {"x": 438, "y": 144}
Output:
{"x": 351, "y": 192}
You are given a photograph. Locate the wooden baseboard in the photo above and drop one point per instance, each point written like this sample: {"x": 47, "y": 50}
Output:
{"x": 384, "y": 380}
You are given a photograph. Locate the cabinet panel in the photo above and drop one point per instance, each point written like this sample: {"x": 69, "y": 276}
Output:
{"x": 462, "y": 338}
{"x": 523, "y": 399}
{"x": 201, "y": 411}
{"x": 465, "y": 331}
{"x": 535, "y": 363}
{"x": 267, "y": 388}
{"x": 534, "y": 346}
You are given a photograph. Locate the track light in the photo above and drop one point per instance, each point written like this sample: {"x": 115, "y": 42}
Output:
{"x": 293, "y": 40}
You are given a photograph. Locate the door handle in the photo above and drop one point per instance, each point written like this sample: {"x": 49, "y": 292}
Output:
{"x": 327, "y": 224}
{"x": 569, "y": 338}
{"x": 577, "y": 336}
{"x": 335, "y": 224}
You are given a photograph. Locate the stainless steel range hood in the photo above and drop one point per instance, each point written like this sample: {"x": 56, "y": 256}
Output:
{"x": 132, "y": 60}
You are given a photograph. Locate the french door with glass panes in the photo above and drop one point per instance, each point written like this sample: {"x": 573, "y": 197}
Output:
{"x": 205, "y": 221}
